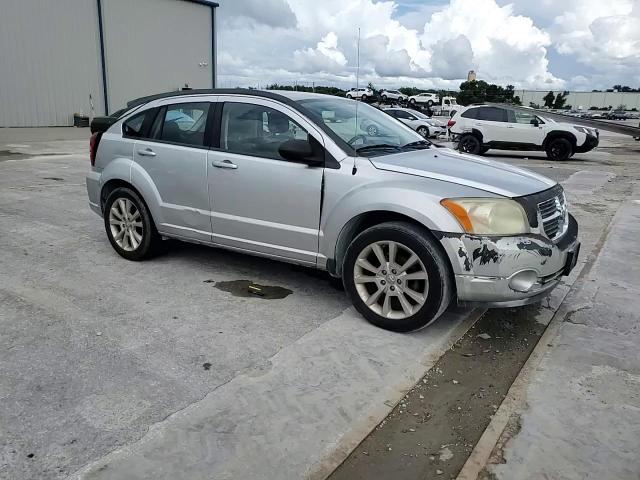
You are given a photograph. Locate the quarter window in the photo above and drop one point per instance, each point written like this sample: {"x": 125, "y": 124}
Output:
{"x": 257, "y": 130}
{"x": 470, "y": 113}
{"x": 184, "y": 123}
{"x": 138, "y": 125}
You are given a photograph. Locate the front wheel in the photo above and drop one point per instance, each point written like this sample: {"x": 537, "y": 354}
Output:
{"x": 129, "y": 225}
{"x": 430, "y": 103}
{"x": 559, "y": 149}
{"x": 412, "y": 101}
{"x": 469, "y": 144}
{"x": 397, "y": 277}
{"x": 363, "y": 98}
{"x": 384, "y": 98}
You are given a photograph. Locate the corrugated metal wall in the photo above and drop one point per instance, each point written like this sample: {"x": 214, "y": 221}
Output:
{"x": 585, "y": 99}
{"x": 155, "y": 46}
{"x": 49, "y": 61}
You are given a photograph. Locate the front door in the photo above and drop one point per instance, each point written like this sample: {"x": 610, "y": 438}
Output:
{"x": 259, "y": 201}
{"x": 524, "y": 128}
{"x": 175, "y": 160}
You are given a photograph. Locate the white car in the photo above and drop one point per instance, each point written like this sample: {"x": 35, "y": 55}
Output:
{"x": 425, "y": 126}
{"x": 360, "y": 93}
{"x": 429, "y": 99}
{"x": 392, "y": 95}
{"x": 479, "y": 128}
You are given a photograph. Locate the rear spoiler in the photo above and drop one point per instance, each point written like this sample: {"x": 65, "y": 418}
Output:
{"x": 102, "y": 124}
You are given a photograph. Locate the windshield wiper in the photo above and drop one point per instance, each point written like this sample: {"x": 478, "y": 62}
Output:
{"x": 417, "y": 144}
{"x": 377, "y": 146}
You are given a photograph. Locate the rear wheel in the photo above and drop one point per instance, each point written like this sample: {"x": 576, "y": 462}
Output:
{"x": 469, "y": 144}
{"x": 397, "y": 277}
{"x": 424, "y": 131}
{"x": 384, "y": 98}
{"x": 559, "y": 149}
{"x": 129, "y": 225}
{"x": 430, "y": 103}
{"x": 363, "y": 98}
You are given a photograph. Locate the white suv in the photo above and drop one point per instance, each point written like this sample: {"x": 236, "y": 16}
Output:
{"x": 479, "y": 128}
{"x": 392, "y": 95}
{"x": 424, "y": 98}
{"x": 361, "y": 93}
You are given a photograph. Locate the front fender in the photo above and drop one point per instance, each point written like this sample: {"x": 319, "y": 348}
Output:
{"x": 413, "y": 197}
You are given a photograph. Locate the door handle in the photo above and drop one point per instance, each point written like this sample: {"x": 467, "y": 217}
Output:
{"x": 510, "y": 126}
{"x": 224, "y": 164}
{"x": 147, "y": 153}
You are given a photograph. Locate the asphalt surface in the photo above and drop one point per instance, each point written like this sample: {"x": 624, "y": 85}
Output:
{"x": 112, "y": 369}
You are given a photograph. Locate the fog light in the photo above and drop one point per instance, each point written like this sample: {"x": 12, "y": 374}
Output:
{"x": 523, "y": 281}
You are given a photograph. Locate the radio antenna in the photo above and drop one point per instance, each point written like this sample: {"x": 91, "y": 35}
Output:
{"x": 358, "y": 99}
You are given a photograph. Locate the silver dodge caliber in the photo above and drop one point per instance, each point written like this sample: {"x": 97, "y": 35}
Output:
{"x": 333, "y": 184}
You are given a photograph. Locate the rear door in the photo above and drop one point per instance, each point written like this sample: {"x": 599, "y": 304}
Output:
{"x": 261, "y": 202}
{"x": 492, "y": 122}
{"x": 174, "y": 159}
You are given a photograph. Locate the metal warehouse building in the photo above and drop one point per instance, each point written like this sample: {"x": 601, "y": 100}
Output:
{"x": 60, "y": 57}
{"x": 585, "y": 99}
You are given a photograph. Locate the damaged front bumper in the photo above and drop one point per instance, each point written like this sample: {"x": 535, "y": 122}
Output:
{"x": 507, "y": 271}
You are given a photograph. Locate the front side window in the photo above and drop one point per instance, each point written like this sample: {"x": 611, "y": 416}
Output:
{"x": 256, "y": 130}
{"x": 184, "y": 123}
{"x": 360, "y": 125}
{"x": 526, "y": 117}
{"x": 492, "y": 114}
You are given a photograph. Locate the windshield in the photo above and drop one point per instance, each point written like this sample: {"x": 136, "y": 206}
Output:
{"x": 372, "y": 128}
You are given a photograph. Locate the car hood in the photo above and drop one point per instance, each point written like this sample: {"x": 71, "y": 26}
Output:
{"x": 476, "y": 172}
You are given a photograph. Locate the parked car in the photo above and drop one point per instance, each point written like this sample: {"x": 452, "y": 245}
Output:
{"x": 410, "y": 228}
{"x": 360, "y": 93}
{"x": 395, "y": 95}
{"x": 425, "y": 126}
{"x": 617, "y": 115}
{"x": 429, "y": 99}
{"x": 479, "y": 128}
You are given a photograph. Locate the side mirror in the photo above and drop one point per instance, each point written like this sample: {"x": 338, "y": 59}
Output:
{"x": 535, "y": 122}
{"x": 299, "y": 151}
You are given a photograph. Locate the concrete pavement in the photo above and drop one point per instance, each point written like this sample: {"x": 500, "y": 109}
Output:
{"x": 577, "y": 415}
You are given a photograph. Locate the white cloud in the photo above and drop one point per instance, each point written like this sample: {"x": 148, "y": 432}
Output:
{"x": 505, "y": 41}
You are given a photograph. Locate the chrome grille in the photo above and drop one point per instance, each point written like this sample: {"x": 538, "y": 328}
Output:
{"x": 553, "y": 216}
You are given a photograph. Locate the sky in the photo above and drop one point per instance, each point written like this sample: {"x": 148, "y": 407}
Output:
{"x": 532, "y": 44}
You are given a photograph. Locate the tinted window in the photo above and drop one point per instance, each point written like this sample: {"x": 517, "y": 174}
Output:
{"x": 404, "y": 115}
{"x": 471, "y": 113}
{"x": 256, "y": 130}
{"x": 185, "y": 123}
{"x": 492, "y": 114}
{"x": 138, "y": 125}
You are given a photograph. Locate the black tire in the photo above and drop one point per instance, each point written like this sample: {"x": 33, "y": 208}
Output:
{"x": 151, "y": 240}
{"x": 412, "y": 101}
{"x": 430, "y": 103}
{"x": 424, "y": 131}
{"x": 440, "y": 290}
{"x": 470, "y": 144}
{"x": 363, "y": 98}
{"x": 384, "y": 98}
{"x": 559, "y": 149}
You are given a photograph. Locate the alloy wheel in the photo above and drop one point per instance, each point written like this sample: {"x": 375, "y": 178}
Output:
{"x": 126, "y": 224}
{"x": 391, "y": 279}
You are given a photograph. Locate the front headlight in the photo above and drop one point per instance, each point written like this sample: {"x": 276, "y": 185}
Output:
{"x": 588, "y": 131}
{"x": 488, "y": 216}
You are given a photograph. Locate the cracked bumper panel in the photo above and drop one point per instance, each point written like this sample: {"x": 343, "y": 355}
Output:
{"x": 508, "y": 271}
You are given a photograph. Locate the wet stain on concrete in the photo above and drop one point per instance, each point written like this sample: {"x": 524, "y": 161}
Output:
{"x": 206, "y": 366}
{"x": 56, "y": 179}
{"x": 485, "y": 255}
{"x": 247, "y": 288}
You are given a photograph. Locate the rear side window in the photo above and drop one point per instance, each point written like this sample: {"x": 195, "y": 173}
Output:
{"x": 471, "y": 113}
{"x": 138, "y": 125}
{"x": 185, "y": 123}
{"x": 492, "y": 114}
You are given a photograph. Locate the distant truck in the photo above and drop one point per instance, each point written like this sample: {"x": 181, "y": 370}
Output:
{"x": 447, "y": 106}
